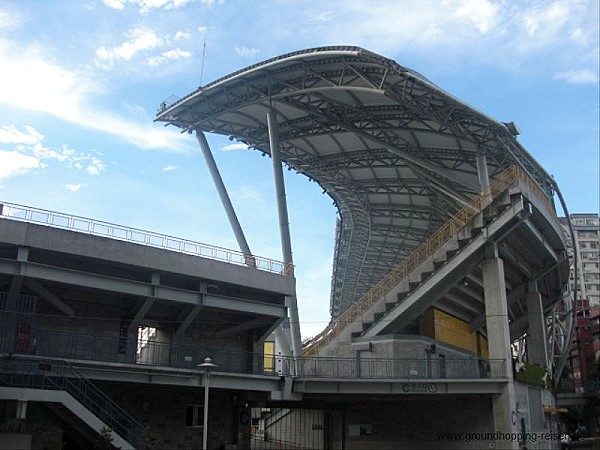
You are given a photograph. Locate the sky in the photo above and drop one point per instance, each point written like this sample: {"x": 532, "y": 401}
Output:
{"x": 81, "y": 82}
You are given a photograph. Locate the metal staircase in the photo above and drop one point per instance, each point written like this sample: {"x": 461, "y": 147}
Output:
{"x": 58, "y": 381}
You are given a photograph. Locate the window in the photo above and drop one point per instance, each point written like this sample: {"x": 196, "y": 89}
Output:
{"x": 269, "y": 357}
{"x": 194, "y": 416}
{"x": 146, "y": 345}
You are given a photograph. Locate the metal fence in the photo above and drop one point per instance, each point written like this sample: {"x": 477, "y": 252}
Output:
{"x": 119, "y": 232}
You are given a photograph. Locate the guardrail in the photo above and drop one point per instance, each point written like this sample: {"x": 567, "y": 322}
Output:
{"x": 395, "y": 368}
{"x": 60, "y": 375}
{"x": 123, "y": 233}
{"x": 499, "y": 185}
{"x": 43, "y": 343}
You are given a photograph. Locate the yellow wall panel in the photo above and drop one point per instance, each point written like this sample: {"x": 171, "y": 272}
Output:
{"x": 454, "y": 331}
{"x": 482, "y": 345}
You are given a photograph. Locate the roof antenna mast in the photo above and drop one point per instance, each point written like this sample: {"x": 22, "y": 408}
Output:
{"x": 202, "y": 63}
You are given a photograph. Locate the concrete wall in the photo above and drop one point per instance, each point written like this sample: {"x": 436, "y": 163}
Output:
{"x": 419, "y": 423}
{"x": 541, "y": 429}
{"x": 163, "y": 411}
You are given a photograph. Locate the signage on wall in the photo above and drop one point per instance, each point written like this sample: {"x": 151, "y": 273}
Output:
{"x": 419, "y": 388}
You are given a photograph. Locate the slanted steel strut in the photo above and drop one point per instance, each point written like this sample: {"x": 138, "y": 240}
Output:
{"x": 284, "y": 229}
{"x": 225, "y": 200}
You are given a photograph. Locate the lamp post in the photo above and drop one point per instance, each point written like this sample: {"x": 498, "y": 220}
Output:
{"x": 207, "y": 366}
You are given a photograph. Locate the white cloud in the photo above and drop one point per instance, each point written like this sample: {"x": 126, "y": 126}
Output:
{"x": 239, "y": 146}
{"x": 203, "y": 29}
{"x": 95, "y": 166}
{"x": 71, "y": 96}
{"x": 481, "y": 13}
{"x": 583, "y": 76}
{"x": 170, "y": 55}
{"x": 324, "y": 16}
{"x": 13, "y": 163}
{"x": 9, "y": 19}
{"x": 146, "y": 5}
{"x": 246, "y": 52}
{"x": 114, "y": 4}
{"x": 169, "y": 168}
{"x": 30, "y": 152}
{"x": 517, "y": 36}
{"x": 212, "y": 2}
{"x": 140, "y": 39}
{"x": 9, "y": 134}
{"x": 74, "y": 187}
{"x": 182, "y": 35}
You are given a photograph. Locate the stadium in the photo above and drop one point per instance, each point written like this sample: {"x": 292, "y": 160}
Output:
{"x": 450, "y": 309}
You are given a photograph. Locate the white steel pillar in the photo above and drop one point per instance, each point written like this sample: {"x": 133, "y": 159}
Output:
{"x": 482, "y": 172}
{"x": 284, "y": 230}
{"x": 498, "y": 333}
{"x": 225, "y": 200}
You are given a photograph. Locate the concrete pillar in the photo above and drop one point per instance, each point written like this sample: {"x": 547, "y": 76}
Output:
{"x": 537, "y": 348}
{"x": 498, "y": 333}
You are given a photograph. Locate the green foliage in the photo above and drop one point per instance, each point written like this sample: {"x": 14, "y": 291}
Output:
{"x": 104, "y": 439}
{"x": 532, "y": 374}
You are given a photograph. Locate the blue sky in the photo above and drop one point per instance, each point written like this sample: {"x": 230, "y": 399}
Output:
{"x": 81, "y": 82}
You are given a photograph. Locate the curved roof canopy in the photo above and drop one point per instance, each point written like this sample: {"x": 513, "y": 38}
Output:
{"x": 397, "y": 154}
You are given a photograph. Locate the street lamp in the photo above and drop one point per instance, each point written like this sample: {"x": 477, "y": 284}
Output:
{"x": 207, "y": 366}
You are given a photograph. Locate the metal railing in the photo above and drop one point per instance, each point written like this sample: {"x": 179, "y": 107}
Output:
{"x": 397, "y": 368}
{"x": 123, "y": 233}
{"x": 501, "y": 183}
{"x": 90, "y": 347}
{"x": 61, "y": 376}
{"x": 587, "y": 387}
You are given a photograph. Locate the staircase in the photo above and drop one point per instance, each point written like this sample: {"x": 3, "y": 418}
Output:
{"x": 458, "y": 238}
{"x": 58, "y": 382}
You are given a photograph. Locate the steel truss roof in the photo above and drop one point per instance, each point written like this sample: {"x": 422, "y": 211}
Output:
{"x": 396, "y": 153}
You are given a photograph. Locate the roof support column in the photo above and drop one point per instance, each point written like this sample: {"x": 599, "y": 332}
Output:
{"x": 284, "y": 230}
{"x": 284, "y": 226}
{"x": 225, "y": 200}
{"x": 496, "y": 317}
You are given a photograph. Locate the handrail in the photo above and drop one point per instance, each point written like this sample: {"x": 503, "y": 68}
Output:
{"x": 123, "y": 233}
{"x": 500, "y": 184}
{"x": 60, "y": 375}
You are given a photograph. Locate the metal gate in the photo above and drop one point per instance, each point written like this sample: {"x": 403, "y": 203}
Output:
{"x": 286, "y": 428}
